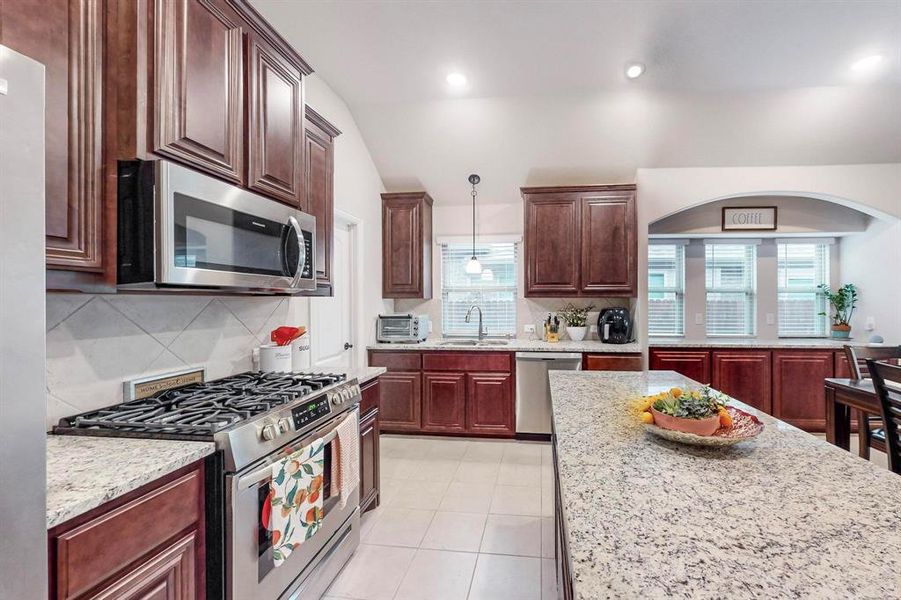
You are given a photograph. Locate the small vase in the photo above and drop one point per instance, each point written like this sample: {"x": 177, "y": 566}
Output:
{"x": 576, "y": 334}
{"x": 841, "y": 332}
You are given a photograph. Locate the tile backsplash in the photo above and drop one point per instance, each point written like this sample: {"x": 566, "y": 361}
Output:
{"x": 95, "y": 342}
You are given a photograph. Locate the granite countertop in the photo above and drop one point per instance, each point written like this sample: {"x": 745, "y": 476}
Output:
{"x": 789, "y": 343}
{"x": 83, "y": 472}
{"x": 518, "y": 345}
{"x": 768, "y": 518}
{"x": 364, "y": 374}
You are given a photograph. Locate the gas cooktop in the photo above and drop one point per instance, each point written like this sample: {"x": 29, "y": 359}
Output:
{"x": 200, "y": 410}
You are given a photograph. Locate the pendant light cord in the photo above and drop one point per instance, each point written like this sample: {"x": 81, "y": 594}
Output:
{"x": 473, "y": 220}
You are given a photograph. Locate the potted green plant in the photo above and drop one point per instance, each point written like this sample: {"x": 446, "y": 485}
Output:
{"x": 576, "y": 319}
{"x": 843, "y": 302}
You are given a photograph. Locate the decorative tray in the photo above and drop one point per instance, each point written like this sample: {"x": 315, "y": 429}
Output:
{"x": 745, "y": 426}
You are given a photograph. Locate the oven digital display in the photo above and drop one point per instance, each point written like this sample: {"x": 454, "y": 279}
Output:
{"x": 309, "y": 412}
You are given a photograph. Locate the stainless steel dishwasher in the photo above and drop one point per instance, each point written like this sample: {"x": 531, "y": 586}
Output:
{"x": 533, "y": 395}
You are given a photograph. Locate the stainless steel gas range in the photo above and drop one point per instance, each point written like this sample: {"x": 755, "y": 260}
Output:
{"x": 255, "y": 419}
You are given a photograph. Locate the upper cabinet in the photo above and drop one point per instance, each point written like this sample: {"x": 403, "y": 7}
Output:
{"x": 407, "y": 245}
{"x": 319, "y": 172}
{"x": 580, "y": 241}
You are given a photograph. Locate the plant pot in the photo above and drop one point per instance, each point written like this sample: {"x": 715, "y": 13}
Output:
{"x": 841, "y": 332}
{"x": 576, "y": 334}
{"x": 696, "y": 426}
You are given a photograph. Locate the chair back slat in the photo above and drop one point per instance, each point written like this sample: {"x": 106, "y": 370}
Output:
{"x": 887, "y": 382}
{"x": 859, "y": 355}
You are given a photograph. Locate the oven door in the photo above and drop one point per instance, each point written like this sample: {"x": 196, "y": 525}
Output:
{"x": 214, "y": 234}
{"x": 249, "y": 565}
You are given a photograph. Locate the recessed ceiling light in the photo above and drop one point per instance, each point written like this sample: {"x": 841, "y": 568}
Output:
{"x": 634, "y": 70}
{"x": 456, "y": 79}
{"x": 867, "y": 63}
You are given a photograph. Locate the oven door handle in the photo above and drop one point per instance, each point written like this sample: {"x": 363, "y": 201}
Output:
{"x": 251, "y": 479}
{"x": 301, "y": 252}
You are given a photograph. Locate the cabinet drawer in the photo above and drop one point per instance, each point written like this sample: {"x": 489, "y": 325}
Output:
{"x": 608, "y": 362}
{"x": 98, "y": 549}
{"x": 467, "y": 361}
{"x": 396, "y": 361}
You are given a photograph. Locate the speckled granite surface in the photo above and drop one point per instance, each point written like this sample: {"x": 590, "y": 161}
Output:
{"x": 787, "y": 515}
{"x": 788, "y": 343}
{"x": 519, "y": 346}
{"x": 364, "y": 374}
{"x": 84, "y": 472}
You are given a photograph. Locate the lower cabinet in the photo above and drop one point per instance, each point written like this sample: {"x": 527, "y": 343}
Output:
{"x": 369, "y": 446}
{"x": 745, "y": 376}
{"x": 401, "y": 407}
{"x": 444, "y": 402}
{"x": 489, "y": 404}
{"x": 799, "y": 397}
{"x": 611, "y": 362}
{"x": 148, "y": 544}
{"x": 693, "y": 364}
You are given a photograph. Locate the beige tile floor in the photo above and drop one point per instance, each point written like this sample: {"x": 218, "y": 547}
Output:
{"x": 459, "y": 519}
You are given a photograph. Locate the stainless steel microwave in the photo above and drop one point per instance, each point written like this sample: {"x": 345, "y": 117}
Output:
{"x": 179, "y": 228}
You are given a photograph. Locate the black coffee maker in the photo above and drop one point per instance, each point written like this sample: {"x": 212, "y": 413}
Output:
{"x": 615, "y": 326}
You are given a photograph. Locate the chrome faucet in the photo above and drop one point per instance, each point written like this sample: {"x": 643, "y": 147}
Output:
{"x": 469, "y": 313}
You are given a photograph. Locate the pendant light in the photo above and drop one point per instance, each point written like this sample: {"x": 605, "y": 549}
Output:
{"x": 473, "y": 267}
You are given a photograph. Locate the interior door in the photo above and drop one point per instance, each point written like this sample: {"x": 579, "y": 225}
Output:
{"x": 332, "y": 335}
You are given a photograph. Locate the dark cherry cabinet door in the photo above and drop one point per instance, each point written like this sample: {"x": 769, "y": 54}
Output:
{"x": 198, "y": 86}
{"x": 401, "y": 401}
{"x": 319, "y": 160}
{"x": 744, "y": 375}
{"x": 608, "y": 244}
{"x": 444, "y": 402}
{"x": 551, "y": 245}
{"x": 369, "y": 460}
{"x": 842, "y": 368}
{"x": 798, "y": 393}
{"x": 693, "y": 364}
{"x": 611, "y": 362}
{"x": 275, "y": 125}
{"x": 67, "y": 37}
{"x": 490, "y": 404}
{"x": 167, "y": 576}
{"x": 407, "y": 245}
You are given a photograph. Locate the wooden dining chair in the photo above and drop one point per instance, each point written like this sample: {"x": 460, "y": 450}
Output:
{"x": 887, "y": 381}
{"x": 869, "y": 427}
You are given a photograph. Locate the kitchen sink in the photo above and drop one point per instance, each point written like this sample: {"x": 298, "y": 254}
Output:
{"x": 493, "y": 343}
{"x": 474, "y": 343}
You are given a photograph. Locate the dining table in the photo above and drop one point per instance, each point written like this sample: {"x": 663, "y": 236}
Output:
{"x": 842, "y": 395}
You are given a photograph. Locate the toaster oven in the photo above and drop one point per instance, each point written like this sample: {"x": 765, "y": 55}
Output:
{"x": 402, "y": 328}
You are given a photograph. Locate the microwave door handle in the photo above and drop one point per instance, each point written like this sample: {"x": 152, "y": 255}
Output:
{"x": 301, "y": 253}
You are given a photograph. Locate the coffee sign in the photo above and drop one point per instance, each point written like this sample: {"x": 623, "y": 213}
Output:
{"x": 749, "y": 218}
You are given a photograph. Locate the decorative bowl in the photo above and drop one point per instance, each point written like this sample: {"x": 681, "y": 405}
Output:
{"x": 696, "y": 426}
{"x": 745, "y": 426}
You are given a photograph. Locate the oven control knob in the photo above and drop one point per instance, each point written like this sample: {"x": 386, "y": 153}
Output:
{"x": 268, "y": 433}
{"x": 284, "y": 425}
{"x": 335, "y": 399}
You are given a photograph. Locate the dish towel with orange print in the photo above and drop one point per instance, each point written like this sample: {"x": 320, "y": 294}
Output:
{"x": 296, "y": 497}
{"x": 346, "y": 468}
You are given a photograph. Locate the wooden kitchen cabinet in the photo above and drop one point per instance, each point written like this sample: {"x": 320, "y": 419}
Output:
{"x": 694, "y": 364}
{"x": 490, "y": 404}
{"x": 611, "y": 362}
{"x": 444, "y": 402}
{"x": 745, "y": 375}
{"x": 369, "y": 445}
{"x": 798, "y": 393}
{"x": 401, "y": 401}
{"x": 580, "y": 241}
{"x": 841, "y": 367}
{"x": 407, "y": 245}
{"x": 146, "y": 544}
{"x": 319, "y": 152}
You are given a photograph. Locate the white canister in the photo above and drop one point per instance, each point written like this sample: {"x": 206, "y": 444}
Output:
{"x": 275, "y": 359}
{"x": 300, "y": 353}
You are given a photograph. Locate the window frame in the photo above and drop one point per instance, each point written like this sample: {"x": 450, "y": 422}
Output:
{"x": 749, "y": 291}
{"x": 678, "y": 289}
{"x": 820, "y": 298}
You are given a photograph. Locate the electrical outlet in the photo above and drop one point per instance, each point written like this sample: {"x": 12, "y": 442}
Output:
{"x": 593, "y": 329}
{"x": 770, "y": 319}
{"x": 699, "y": 318}
{"x": 528, "y": 328}
{"x": 871, "y": 324}
{"x": 430, "y": 326}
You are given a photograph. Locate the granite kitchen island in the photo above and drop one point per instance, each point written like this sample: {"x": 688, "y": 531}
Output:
{"x": 786, "y": 515}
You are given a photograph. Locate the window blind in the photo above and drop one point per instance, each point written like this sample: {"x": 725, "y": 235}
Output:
{"x": 666, "y": 290}
{"x": 731, "y": 281}
{"x": 801, "y": 268}
{"x": 494, "y": 291}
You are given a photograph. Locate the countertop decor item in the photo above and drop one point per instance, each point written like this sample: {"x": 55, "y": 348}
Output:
{"x": 745, "y": 426}
{"x": 576, "y": 319}
{"x": 843, "y": 302}
{"x": 552, "y": 329}
{"x": 473, "y": 267}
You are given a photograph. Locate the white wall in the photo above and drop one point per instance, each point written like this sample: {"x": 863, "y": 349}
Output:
{"x": 874, "y": 189}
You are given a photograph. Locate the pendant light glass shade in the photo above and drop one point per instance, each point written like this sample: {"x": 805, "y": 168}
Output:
{"x": 474, "y": 267}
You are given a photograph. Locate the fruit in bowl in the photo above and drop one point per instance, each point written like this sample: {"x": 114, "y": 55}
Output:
{"x": 699, "y": 412}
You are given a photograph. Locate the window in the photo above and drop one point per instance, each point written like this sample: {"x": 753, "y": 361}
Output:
{"x": 666, "y": 289}
{"x": 731, "y": 280}
{"x": 494, "y": 291}
{"x": 801, "y": 268}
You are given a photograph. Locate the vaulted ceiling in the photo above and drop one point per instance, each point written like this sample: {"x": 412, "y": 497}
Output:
{"x": 727, "y": 84}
